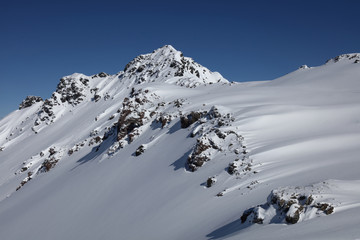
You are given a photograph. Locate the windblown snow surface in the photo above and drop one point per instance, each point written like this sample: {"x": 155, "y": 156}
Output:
{"x": 167, "y": 149}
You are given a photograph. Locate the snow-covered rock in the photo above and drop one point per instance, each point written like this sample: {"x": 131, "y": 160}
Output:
{"x": 293, "y": 204}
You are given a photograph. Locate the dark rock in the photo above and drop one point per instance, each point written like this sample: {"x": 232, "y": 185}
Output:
{"x": 294, "y": 218}
{"x": 130, "y": 119}
{"x": 197, "y": 159}
{"x": 258, "y": 220}
{"x": 140, "y": 69}
{"x": 232, "y": 168}
{"x": 254, "y": 214}
{"x": 140, "y": 150}
{"x": 152, "y": 114}
{"x": 220, "y": 194}
{"x": 84, "y": 81}
{"x": 70, "y": 152}
{"x": 94, "y": 90}
{"x": 309, "y": 200}
{"x": 29, "y": 101}
{"x": 178, "y": 103}
{"x": 329, "y": 210}
{"x": 48, "y": 164}
{"x": 220, "y": 134}
{"x": 52, "y": 151}
{"x": 186, "y": 121}
{"x": 97, "y": 97}
{"x": 164, "y": 119}
{"x": 214, "y": 113}
{"x": 100, "y": 75}
{"x": 325, "y": 207}
{"x": 97, "y": 139}
{"x": 245, "y": 215}
{"x": 210, "y": 181}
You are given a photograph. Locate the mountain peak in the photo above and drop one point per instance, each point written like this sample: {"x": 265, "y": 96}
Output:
{"x": 166, "y": 48}
{"x": 166, "y": 64}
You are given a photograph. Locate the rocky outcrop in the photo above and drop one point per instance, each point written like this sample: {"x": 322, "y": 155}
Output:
{"x": 100, "y": 75}
{"x": 48, "y": 164}
{"x": 71, "y": 90}
{"x": 164, "y": 119}
{"x": 51, "y": 161}
{"x": 130, "y": 119}
{"x": 240, "y": 166}
{"x": 189, "y": 119}
{"x": 39, "y": 163}
{"x": 29, "y": 101}
{"x": 212, "y": 137}
{"x": 135, "y": 113}
{"x": 289, "y": 205}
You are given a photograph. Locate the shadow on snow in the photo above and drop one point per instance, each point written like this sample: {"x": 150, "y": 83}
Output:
{"x": 228, "y": 230}
{"x": 96, "y": 151}
{"x": 181, "y": 162}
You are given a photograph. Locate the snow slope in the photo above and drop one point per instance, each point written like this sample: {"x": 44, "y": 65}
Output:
{"x": 130, "y": 155}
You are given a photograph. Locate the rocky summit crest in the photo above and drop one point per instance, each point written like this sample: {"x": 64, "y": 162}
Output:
{"x": 166, "y": 64}
{"x": 355, "y": 57}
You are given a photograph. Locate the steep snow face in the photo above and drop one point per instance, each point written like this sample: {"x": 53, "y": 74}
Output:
{"x": 109, "y": 156}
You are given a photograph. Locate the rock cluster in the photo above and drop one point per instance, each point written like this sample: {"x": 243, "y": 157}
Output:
{"x": 29, "y": 101}
{"x": 71, "y": 90}
{"x": 43, "y": 162}
{"x": 50, "y": 161}
{"x": 287, "y": 205}
{"x": 131, "y": 118}
{"x": 212, "y": 136}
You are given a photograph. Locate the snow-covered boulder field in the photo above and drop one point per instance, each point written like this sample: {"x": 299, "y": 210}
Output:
{"x": 167, "y": 149}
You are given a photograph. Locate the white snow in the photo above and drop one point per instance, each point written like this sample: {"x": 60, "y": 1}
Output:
{"x": 298, "y": 130}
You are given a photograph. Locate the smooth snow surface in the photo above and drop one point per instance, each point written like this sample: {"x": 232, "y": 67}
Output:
{"x": 77, "y": 179}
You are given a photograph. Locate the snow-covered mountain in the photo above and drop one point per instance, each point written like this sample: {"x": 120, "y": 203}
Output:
{"x": 167, "y": 149}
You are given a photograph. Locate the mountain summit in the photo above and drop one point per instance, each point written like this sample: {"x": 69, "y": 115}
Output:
{"x": 167, "y": 149}
{"x": 166, "y": 64}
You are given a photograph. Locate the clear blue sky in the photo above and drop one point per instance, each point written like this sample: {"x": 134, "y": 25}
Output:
{"x": 41, "y": 41}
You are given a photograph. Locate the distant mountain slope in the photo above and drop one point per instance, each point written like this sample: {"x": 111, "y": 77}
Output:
{"x": 167, "y": 149}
